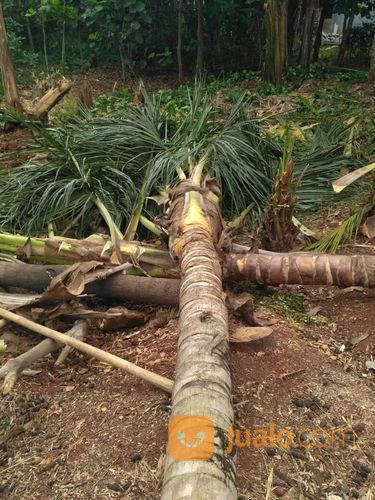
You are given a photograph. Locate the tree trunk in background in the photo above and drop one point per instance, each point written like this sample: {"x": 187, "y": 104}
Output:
{"x": 200, "y": 36}
{"x": 283, "y": 33}
{"x": 371, "y": 75}
{"x": 122, "y": 60}
{"x": 296, "y": 33}
{"x": 345, "y": 35}
{"x": 304, "y": 59}
{"x": 179, "y": 41}
{"x": 276, "y": 41}
{"x": 45, "y": 45}
{"x": 30, "y": 34}
{"x": 8, "y": 75}
{"x": 319, "y": 31}
{"x": 198, "y": 465}
{"x": 63, "y": 48}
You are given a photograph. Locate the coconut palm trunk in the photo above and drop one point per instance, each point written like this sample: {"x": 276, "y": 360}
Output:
{"x": 197, "y": 465}
{"x": 305, "y": 269}
{"x": 302, "y": 269}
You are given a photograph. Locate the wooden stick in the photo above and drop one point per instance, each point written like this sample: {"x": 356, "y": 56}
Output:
{"x": 159, "y": 381}
{"x": 14, "y": 367}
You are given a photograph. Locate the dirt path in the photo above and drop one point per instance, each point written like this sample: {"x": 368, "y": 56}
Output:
{"x": 89, "y": 431}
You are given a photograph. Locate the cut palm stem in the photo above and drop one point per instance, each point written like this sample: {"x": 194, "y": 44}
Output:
{"x": 302, "y": 269}
{"x": 151, "y": 226}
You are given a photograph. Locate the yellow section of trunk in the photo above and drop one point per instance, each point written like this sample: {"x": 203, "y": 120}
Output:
{"x": 194, "y": 216}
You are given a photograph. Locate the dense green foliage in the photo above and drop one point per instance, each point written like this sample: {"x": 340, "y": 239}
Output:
{"x": 142, "y": 34}
{"x": 136, "y": 33}
{"x": 120, "y": 150}
{"x": 112, "y": 157}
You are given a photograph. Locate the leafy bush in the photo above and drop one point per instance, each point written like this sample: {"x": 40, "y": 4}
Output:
{"x": 115, "y": 105}
{"x": 360, "y": 43}
{"x": 314, "y": 70}
{"x": 15, "y": 39}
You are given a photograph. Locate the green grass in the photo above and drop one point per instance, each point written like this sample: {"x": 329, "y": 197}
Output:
{"x": 290, "y": 306}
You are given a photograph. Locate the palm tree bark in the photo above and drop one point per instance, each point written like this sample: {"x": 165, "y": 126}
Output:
{"x": 202, "y": 388}
{"x": 121, "y": 287}
{"x": 274, "y": 269}
{"x": 302, "y": 269}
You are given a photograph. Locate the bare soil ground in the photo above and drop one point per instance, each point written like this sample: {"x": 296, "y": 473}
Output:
{"x": 89, "y": 431}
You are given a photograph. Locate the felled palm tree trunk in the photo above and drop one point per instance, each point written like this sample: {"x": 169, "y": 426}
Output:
{"x": 274, "y": 269}
{"x": 302, "y": 269}
{"x": 197, "y": 465}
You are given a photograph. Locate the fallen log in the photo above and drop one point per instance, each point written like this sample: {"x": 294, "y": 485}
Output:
{"x": 15, "y": 366}
{"x": 157, "y": 380}
{"x": 50, "y": 99}
{"x": 197, "y": 465}
{"x": 302, "y": 269}
{"x": 299, "y": 268}
{"x": 141, "y": 290}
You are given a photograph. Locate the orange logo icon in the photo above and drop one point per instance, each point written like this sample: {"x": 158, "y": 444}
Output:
{"x": 191, "y": 437}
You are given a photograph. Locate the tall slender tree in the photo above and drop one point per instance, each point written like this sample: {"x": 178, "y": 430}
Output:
{"x": 8, "y": 74}
{"x": 308, "y": 25}
{"x": 200, "y": 36}
{"x": 372, "y": 61}
{"x": 325, "y": 10}
{"x": 179, "y": 40}
{"x": 349, "y": 17}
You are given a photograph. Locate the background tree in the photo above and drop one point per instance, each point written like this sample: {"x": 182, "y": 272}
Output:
{"x": 219, "y": 35}
{"x": 200, "y": 41}
{"x": 351, "y": 8}
{"x": 372, "y": 61}
{"x": 179, "y": 40}
{"x": 276, "y": 40}
{"x": 8, "y": 74}
{"x": 326, "y": 9}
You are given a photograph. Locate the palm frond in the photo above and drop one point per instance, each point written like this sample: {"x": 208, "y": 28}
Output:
{"x": 115, "y": 158}
{"x": 346, "y": 231}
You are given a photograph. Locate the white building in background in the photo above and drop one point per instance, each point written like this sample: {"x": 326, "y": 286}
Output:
{"x": 334, "y": 24}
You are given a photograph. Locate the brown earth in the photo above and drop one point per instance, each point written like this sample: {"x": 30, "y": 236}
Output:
{"x": 89, "y": 431}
